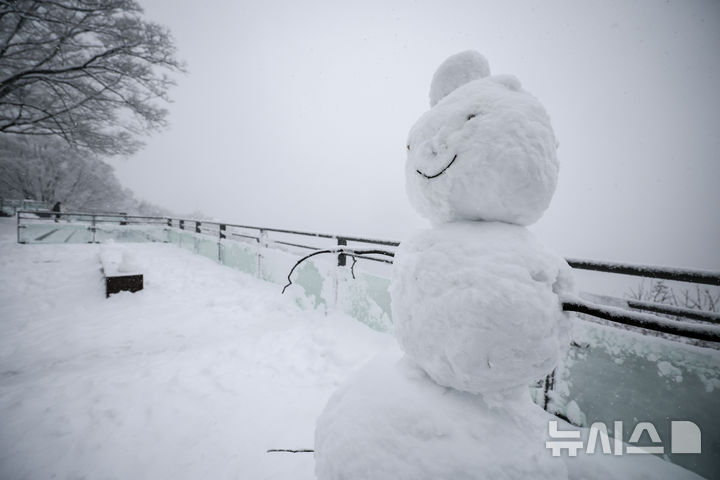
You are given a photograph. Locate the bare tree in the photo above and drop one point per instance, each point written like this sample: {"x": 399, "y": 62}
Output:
{"x": 92, "y": 72}
{"x": 704, "y": 298}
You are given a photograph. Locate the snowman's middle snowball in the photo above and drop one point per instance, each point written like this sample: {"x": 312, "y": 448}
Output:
{"x": 476, "y": 305}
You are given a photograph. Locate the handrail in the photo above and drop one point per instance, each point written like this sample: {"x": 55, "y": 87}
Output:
{"x": 313, "y": 234}
{"x": 648, "y": 321}
{"x": 350, "y": 238}
{"x": 650, "y": 271}
{"x": 666, "y": 309}
{"x": 86, "y": 214}
{"x": 700, "y": 315}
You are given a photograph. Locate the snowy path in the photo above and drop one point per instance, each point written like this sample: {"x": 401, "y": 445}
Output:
{"x": 194, "y": 377}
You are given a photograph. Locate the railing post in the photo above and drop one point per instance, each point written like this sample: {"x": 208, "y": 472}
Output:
{"x": 342, "y": 260}
{"x": 221, "y": 235}
{"x": 262, "y": 236}
{"x": 93, "y": 228}
{"x": 196, "y": 239}
{"x": 182, "y": 224}
{"x": 167, "y": 230}
{"x": 548, "y": 387}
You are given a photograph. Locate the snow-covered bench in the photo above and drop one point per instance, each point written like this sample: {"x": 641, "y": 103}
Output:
{"x": 119, "y": 271}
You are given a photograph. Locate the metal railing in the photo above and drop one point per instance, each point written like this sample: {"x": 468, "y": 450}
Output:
{"x": 91, "y": 220}
{"x": 10, "y": 206}
{"x": 702, "y": 327}
{"x": 262, "y": 236}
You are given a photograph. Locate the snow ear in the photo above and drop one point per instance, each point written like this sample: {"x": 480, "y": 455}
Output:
{"x": 510, "y": 81}
{"x": 456, "y": 71}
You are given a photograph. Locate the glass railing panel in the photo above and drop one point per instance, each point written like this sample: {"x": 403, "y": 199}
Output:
{"x": 61, "y": 232}
{"x": 207, "y": 247}
{"x": 240, "y": 256}
{"x": 618, "y": 375}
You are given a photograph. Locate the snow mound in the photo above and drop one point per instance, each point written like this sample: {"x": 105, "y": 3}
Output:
{"x": 118, "y": 260}
{"x": 390, "y": 421}
{"x": 195, "y": 376}
{"x": 476, "y": 305}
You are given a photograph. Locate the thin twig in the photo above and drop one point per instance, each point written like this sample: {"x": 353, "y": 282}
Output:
{"x": 352, "y": 267}
{"x": 303, "y": 450}
{"x": 346, "y": 251}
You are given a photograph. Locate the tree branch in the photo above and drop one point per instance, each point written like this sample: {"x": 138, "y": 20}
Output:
{"x": 69, "y": 67}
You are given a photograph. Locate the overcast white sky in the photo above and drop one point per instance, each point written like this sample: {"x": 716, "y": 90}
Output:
{"x": 295, "y": 114}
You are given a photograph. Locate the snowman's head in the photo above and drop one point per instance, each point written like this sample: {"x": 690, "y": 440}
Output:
{"x": 484, "y": 151}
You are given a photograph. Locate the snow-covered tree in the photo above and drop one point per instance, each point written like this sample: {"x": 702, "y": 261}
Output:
{"x": 49, "y": 170}
{"x": 91, "y": 72}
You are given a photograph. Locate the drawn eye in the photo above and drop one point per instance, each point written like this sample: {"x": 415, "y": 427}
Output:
{"x": 408, "y": 147}
{"x": 471, "y": 116}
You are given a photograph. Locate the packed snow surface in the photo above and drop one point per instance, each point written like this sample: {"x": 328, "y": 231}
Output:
{"x": 477, "y": 306}
{"x": 195, "y": 376}
{"x": 486, "y": 151}
{"x": 203, "y": 371}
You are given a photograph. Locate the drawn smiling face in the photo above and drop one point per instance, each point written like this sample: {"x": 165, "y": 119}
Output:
{"x": 486, "y": 151}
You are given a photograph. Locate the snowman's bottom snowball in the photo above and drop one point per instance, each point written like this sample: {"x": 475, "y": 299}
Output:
{"x": 391, "y": 421}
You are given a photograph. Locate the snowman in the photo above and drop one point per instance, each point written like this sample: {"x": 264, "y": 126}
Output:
{"x": 476, "y": 300}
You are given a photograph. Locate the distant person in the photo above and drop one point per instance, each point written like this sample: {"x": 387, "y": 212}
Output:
{"x": 56, "y": 208}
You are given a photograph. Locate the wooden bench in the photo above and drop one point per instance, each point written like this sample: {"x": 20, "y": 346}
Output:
{"x": 119, "y": 275}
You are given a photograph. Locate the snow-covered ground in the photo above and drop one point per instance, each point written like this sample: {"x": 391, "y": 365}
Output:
{"x": 196, "y": 376}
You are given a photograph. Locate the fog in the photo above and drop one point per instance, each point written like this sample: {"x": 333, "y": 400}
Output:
{"x": 295, "y": 115}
